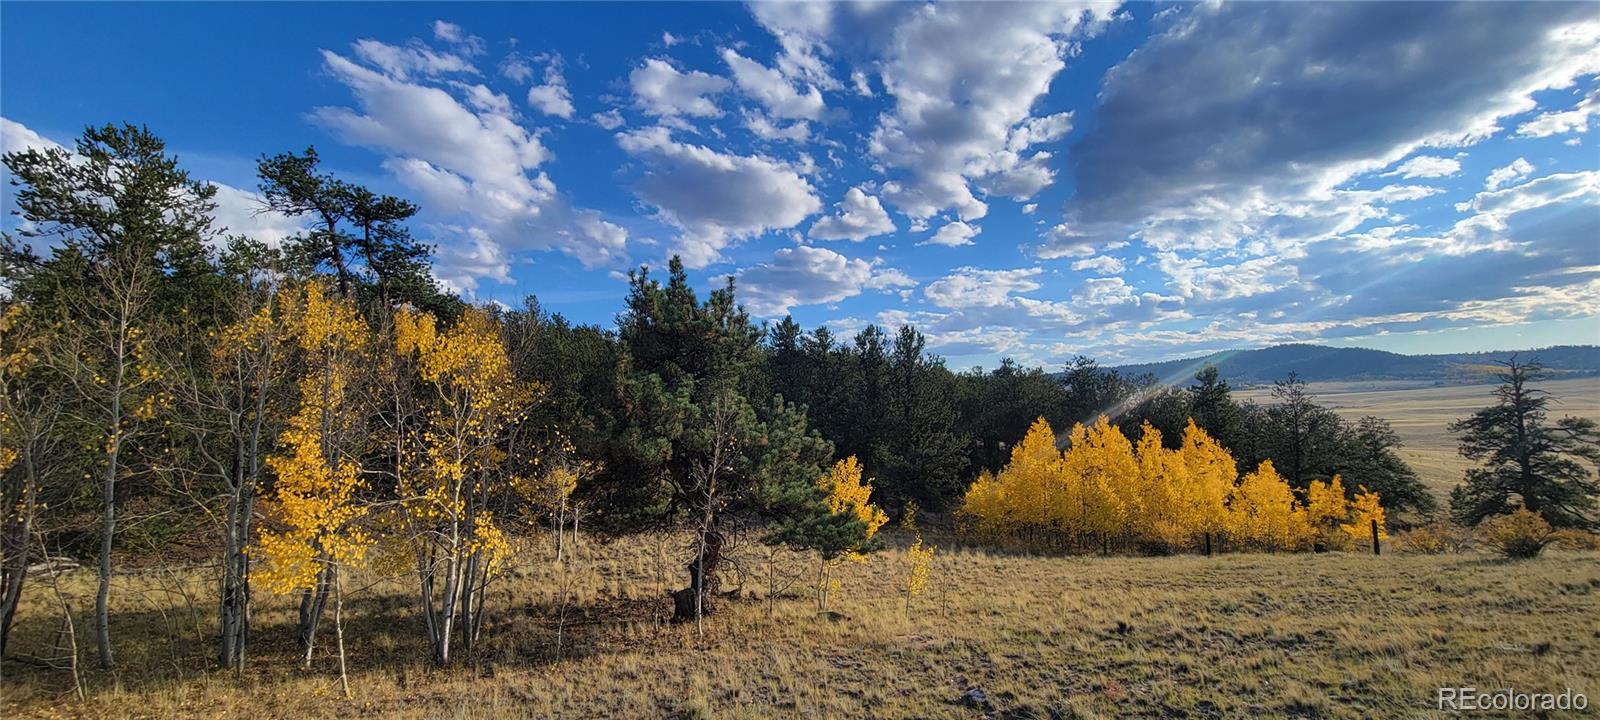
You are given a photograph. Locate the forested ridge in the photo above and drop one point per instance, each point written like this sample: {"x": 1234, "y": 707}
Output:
{"x": 1320, "y": 363}
{"x": 304, "y": 409}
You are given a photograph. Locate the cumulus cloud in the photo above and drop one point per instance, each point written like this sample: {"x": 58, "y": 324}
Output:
{"x": 16, "y": 137}
{"x": 403, "y": 62}
{"x": 1503, "y": 176}
{"x": 243, "y": 212}
{"x": 472, "y": 256}
{"x": 959, "y": 121}
{"x": 967, "y": 287}
{"x": 763, "y": 127}
{"x": 806, "y": 275}
{"x": 862, "y": 85}
{"x": 1575, "y": 120}
{"x": 983, "y": 311}
{"x": 238, "y": 212}
{"x": 479, "y": 171}
{"x": 1063, "y": 240}
{"x": 552, "y": 97}
{"x": 1192, "y": 278}
{"x": 1427, "y": 166}
{"x": 609, "y": 120}
{"x": 775, "y": 92}
{"x": 1560, "y": 187}
{"x": 662, "y": 89}
{"x": 453, "y": 34}
{"x": 802, "y": 30}
{"x": 1524, "y": 253}
{"x": 860, "y": 216}
{"x": 953, "y": 234}
{"x": 716, "y": 198}
{"x": 1102, "y": 264}
{"x": 1239, "y": 99}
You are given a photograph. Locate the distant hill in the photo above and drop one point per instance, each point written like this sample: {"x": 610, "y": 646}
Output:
{"x": 1319, "y": 363}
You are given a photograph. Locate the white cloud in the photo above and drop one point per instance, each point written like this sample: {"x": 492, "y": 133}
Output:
{"x": 965, "y": 78}
{"x": 1102, "y": 264}
{"x": 238, "y": 212}
{"x": 452, "y": 34}
{"x": 953, "y": 234}
{"x": 481, "y": 98}
{"x": 516, "y": 68}
{"x": 609, "y": 120}
{"x": 16, "y": 137}
{"x": 861, "y": 83}
{"x": 774, "y": 91}
{"x": 1566, "y": 121}
{"x": 1029, "y": 208}
{"x": 1519, "y": 168}
{"x": 1245, "y": 105}
{"x": 763, "y": 127}
{"x": 1192, "y": 278}
{"x": 860, "y": 216}
{"x": 477, "y": 169}
{"x": 801, "y": 29}
{"x": 1427, "y": 166}
{"x": 1065, "y": 241}
{"x": 968, "y": 287}
{"x": 428, "y": 124}
{"x": 806, "y": 275}
{"x": 470, "y": 256}
{"x": 552, "y": 97}
{"x": 405, "y": 62}
{"x": 1560, "y": 187}
{"x": 714, "y": 197}
{"x": 662, "y": 90}
{"x": 242, "y": 212}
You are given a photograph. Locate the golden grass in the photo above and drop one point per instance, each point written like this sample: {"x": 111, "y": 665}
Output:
{"x": 1422, "y": 415}
{"x": 1236, "y": 636}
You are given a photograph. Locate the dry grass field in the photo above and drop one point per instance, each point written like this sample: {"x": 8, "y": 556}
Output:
{"x": 1421, "y": 415}
{"x": 1338, "y": 636}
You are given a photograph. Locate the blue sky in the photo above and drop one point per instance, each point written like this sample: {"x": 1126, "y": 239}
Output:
{"x": 1131, "y": 182}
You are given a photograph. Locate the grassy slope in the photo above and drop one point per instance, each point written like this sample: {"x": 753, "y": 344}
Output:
{"x": 1421, "y": 414}
{"x": 1236, "y": 636}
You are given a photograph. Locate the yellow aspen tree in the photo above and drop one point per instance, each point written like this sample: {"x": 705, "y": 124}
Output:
{"x": 247, "y": 379}
{"x": 1031, "y": 480}
{"x": 1211, "y": 473}
{"x": 983, "y": 509}
{"x": 849, "y": 496}
{"x": 1265, "y": 512}
{"x": 1365, "y": 509}
{"x": 1102, "y": 464}
{"x": 317, "y": 471}
{"x": 919, "y": 566}
{"x": 1159, "y": 513}
{"x": 475, "y": 399}
{"x": 1326, "y": 509}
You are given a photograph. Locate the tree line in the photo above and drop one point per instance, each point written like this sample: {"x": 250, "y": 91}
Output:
{"x": 324, "y": 403}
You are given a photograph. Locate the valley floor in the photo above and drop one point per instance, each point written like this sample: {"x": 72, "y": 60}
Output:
{"x": 1421, "y": 415}
{"x": 1235, "y": 636}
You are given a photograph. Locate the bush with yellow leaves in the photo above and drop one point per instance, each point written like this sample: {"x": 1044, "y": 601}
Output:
{"x": 1520, "y": 535}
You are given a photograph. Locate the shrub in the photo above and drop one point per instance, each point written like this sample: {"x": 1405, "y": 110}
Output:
{"x": 1425, "y": 540}
{"x": 1573, "y": 539}
{"x": 1440, "y": 536}
{"x": 1520, "y": 535}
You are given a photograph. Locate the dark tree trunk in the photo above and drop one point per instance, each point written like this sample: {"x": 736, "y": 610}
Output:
{"x": 686, "y": 600}
{"x": 16, "y": 540}
{"x": 311, "y": 603}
